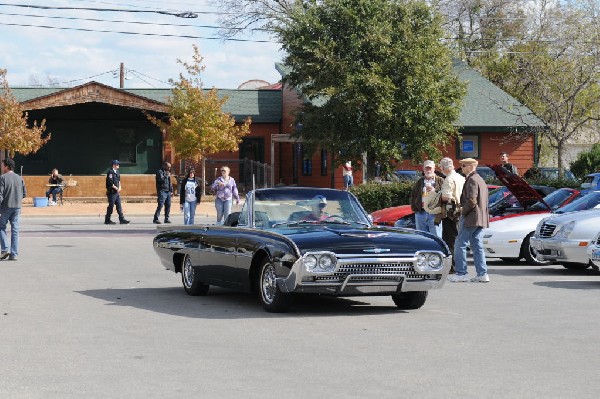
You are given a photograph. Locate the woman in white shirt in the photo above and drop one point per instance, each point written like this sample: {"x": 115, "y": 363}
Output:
{"x": 189, "y": 196}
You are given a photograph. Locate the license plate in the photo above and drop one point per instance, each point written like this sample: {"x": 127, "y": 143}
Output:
{"x": 596, "y": 254}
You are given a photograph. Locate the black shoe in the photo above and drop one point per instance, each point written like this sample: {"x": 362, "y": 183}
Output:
{"x": 4, "y": 255}
{"x": 167, "y": 221}
{"x": 109, "y": 222}
{"x": 12, "y": 257}
{"x": 156, "y": 221}
{"x": 124, "y": 221}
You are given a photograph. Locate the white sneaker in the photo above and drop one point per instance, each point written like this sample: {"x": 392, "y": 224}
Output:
{"x": 481, "y": 279}
{"x": 455, "y": 278}
{"x": 52, "y": 203}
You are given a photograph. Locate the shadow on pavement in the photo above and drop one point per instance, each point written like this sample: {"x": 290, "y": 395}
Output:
{"x": 571, "y": 285}
{"x": 549, "y": 271}
{"x": 225, "y": 304}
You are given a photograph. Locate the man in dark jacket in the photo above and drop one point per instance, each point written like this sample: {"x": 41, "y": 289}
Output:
{"x": 12, "y": 192}
{"x": 474, "y": 218}
{"x": 113, "y": 194}
{"x": 427, "y": 185}
{"x": 164, "y": 192}
{"x": 507, "y": 165}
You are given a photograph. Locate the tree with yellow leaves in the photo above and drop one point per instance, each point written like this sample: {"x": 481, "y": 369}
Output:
{"x": 15, "y": 134}
{"x": 197, "y": 125}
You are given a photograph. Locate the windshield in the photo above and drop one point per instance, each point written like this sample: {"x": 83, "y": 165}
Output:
{"x": 555, "y": 200}
{"x": 589, "y": 201}
{"x": 291, "y": 207}
{"x": 497, "y": 194}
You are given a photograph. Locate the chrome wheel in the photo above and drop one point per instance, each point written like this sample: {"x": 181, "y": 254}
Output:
{"x": 189, "y": 278}
{"x": 268, "y": 286}
{"x": 271, "y": 297}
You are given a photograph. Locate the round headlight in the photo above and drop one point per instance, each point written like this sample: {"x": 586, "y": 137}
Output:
{"x": 435, "y": 261}
{"x": 310, "y": 262}
{"x": 326, "y": 263}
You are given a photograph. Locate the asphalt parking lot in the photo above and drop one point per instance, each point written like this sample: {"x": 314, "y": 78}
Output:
{"x": 88, "y": 311}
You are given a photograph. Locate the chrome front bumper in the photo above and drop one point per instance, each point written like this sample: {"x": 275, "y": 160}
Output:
{"x": 390, "y": 275}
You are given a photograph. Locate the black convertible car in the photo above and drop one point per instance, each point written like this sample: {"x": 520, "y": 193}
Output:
{"x": 288, "y": 241}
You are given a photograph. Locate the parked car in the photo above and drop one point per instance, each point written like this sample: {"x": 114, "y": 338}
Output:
{"x": 407, "y": 175}
{"x": 510, "y": 238}
{"x": 510, "y": 206}
{"x": 548, "y": 173}
{"x": 591, "y": 182}
{"x": 564, "y": 238}
{"x": 280, "y": 244}
{"x": 593, "y": 251}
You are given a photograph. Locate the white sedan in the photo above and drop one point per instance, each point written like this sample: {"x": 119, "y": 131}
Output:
{"x": 564, "y": 238}
{"x": 511, "y": 238}
{"x": 593, "y": 251}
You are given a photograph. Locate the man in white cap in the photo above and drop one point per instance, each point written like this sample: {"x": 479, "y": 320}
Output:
{"x": 427, "y": 185}
{"x": 451, "y": 192}
{"x": 474, "y": 218}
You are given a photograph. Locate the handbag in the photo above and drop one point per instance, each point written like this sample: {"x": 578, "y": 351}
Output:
{"x": 433, "y": 203}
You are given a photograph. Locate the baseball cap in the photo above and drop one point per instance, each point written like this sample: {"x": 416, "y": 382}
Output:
{"x": 469, "y": 161}
{"x": 115, "y": 162}
{"x": 319, "y": 199}
{"x": 429, "y": 163}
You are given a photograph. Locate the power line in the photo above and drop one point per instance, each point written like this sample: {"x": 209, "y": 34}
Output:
{"x": 119, "y": 21}
{"x": 137, "y": 33}
{"x": 147, "y": 76}
{"x": 182, "y": 14}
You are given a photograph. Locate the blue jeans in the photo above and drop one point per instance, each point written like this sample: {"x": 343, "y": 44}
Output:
{"x": 348, "y": 181}
{"x": 12, "y": 215}
{"x": 163, "y": 198}
{"x": 425, "y": 222}
{"x": 474, "y": 236}
{"x": 53, "y": 191}
{"x": 189, "y": 210}
{"x": 223, "y": 209}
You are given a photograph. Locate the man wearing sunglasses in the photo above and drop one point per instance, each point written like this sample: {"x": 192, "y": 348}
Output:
{"x": 473, "y": 219}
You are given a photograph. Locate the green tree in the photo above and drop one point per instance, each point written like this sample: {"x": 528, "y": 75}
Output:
{"x": 379, "y": 79}
{"x": 587, "y": 162}
{"x": 197, "y": 125}
{"x": 555, "y": 73}
{"x": 15, "y": 133}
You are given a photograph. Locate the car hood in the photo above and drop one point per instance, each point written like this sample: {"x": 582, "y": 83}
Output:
{"x": 345, "y": 240}
{"x": 559, "y": 218}
{"x": 518, "y": 186}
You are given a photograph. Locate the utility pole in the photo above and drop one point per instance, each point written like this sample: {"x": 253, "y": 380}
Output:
{"x": 122, "y": 76}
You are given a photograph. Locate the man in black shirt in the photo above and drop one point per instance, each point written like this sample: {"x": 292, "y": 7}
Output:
{"x": 113, "y": 190}
{"x": 164, "y": 192}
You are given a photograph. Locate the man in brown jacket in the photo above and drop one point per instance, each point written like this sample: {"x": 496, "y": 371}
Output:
{"x": 474, "y": 218}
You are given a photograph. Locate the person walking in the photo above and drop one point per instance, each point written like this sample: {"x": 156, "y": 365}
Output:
{"x": 113, "y": 194}
{"x": 164, "y": 192}
{"x": 12, "y": 192}
{"x": 347, "y": 175}
{"x": 507, "y": 165}
{"x": 225, "y": 190}
{"x": 189, "y": 196}
{"x": 423, "y": 187}
{"x": 452, "y": 188}
{"x": 474, "y": 218}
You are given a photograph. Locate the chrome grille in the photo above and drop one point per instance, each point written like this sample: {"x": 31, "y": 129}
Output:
{"x": 547, "y": 230}
{"x": 393, "y": 269}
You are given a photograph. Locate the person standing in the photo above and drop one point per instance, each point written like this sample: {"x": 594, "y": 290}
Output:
{"x": 423, "y": 187}
{"x": 452, "y": 188}
{"x": 189, "y": 196}
{"x": 347, "y": 175}
{"x": 507, "y": 165}
{"x": 56, "y": 181}
{"x": 12, "y": 192}
{"x": 225, "y": 190}
{"x": 113, "y": 194}
{"x": 164, "y": 192}
{"x": 474, "y": 218}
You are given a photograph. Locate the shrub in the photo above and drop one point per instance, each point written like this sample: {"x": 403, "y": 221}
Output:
{"x": 375, "y": 196}
{"x": 587, "y": 162}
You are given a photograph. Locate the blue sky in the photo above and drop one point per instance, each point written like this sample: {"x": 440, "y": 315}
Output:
{"x": 74, "y": 57}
